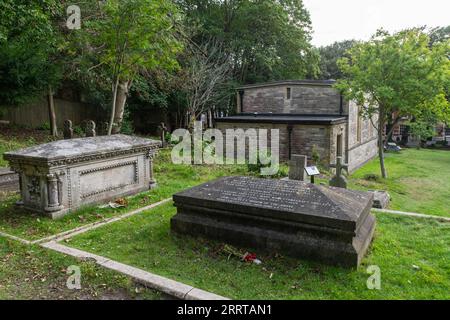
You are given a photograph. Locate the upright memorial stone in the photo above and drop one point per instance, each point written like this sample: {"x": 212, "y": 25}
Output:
{"x": 90, "y": 128}
{"x": 68, "y": 130}
{"x": 339, "y": 180}
{"x": 63, "y": 175}
{"x": 297, "y": 166}
{"x": 162, "y": 131}
{"x": 327, "y": 224}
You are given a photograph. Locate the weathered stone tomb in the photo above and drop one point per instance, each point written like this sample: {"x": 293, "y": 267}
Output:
{"x": 331, "y": 225}
{"x": 63, "y": 175}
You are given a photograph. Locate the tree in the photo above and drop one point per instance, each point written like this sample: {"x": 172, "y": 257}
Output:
{"x": 329, "y": 55}
{"x": 398, "y": 74}
{"x": 123, "y": 38}
{"x": 206, "y": 72}
{"x": 265, "y": 39}
{"x": 27, "y": 41}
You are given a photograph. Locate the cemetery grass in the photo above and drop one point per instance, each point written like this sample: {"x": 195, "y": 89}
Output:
{"x": 171, "y": 178}
{"x": 412, "y": 254}
{"x": 418, "y": 180}
{"x": 32, "y": 272}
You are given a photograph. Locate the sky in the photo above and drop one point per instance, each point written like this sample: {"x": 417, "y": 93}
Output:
{"x": 337, "y": 20}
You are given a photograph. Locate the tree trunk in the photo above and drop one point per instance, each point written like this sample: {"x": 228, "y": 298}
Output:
{"x": 381, "y": 147}
{"x": 113, "y": 107}
{"x": 121, "y": 99}
{"x": 51, "y": 113}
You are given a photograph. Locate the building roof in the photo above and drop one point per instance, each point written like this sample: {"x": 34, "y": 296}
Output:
{"x": 284, "y": 118}
{"x": 327, "y": 83}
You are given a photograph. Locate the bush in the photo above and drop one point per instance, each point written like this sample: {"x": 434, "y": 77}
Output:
{"x": 44, "y": 126}
{"x": 371, "y": 177}
{"x": 315, "y": 156}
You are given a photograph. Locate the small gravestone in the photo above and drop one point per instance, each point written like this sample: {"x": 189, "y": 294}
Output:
{"x": 90, "y": 128}
{"x": 299, "y": 219}
{"x": 380, "y": 199}
{"x": 339, "y": 180}
{"x": 68, "y": 130}
{"x": 162, "y": 130}
{"x": 297, "y": 166}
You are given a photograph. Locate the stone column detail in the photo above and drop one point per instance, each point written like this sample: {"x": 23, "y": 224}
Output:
{"x": 52, "y": 193}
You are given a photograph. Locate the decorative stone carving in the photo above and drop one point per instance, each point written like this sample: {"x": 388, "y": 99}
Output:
{"x": 68, "y": 130}
{"x": 62, "y": 175}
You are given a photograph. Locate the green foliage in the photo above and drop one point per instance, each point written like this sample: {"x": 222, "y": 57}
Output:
{"x": 45, "y": 126}
{"x": 127, "y": 124}
{"x": 28, "y": 40}
{"x": 329, "y": 55}
{"x": 315, "y": 155}
{"x": 268, "y": 40}
{"x": 398, "y": 73}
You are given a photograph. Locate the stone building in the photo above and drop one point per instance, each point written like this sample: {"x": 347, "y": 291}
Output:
{"x": 311, "y": 115}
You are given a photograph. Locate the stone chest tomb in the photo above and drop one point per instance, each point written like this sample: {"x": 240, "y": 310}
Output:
{"x": 331, "y": 225}
{"x": 63, "y": 175}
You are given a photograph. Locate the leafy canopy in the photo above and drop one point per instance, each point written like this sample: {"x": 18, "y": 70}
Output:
{"x": 399, "y": 73}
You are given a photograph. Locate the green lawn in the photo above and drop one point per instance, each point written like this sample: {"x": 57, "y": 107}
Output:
{"x": 31, "y": 272}
{"x": 418, "y": 180}
{"x": 413, "y": 255}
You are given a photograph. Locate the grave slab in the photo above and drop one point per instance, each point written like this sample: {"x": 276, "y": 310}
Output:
{"x": 326, "y": 224}
{"x": 63, "y": 175}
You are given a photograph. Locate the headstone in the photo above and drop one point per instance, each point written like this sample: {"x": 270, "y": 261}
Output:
{"x": 63, "y": 175}
{"x": 380, "y": 199}
{"x": 68, "y": 130}
{"x": 297, "y": 166}
{"x": 299, "y": 219}
{"x": 9, "y": 180}
{"x": 162, "y": 131}
{"x": 339, "y": 180}
{"x": 90, "y": 128}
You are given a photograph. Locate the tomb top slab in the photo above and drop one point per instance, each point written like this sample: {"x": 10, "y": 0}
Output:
{"x": 289, "y": 200}
{"x": 82, "y": 149}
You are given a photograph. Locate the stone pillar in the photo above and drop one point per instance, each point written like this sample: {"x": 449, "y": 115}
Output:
{"x": 297, "y": 166}
{"x": 20, "y": 202}
{"x": 52, "y": 193}
{"x": 152, "y": 181}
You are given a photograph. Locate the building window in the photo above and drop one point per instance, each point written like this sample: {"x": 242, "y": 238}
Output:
{"x": 339, "y": 145}
{"x": 358, "y": 125}
{"x": 288, "y": 93}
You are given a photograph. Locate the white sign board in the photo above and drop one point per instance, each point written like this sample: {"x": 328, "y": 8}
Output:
{"x": 312, "y": 171}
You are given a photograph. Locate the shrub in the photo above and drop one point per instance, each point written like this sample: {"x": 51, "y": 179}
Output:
{"x": 371, "y": 177}
{"x": 315, "y": 156}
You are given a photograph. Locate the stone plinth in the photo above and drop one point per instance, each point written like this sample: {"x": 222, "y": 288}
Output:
{"x": 326, "y": 224}
{"x": 63, "y": 175}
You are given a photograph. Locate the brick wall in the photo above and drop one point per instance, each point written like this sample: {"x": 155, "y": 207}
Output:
{"x": 305, "y": 99}
{"x": 304, "y": 138}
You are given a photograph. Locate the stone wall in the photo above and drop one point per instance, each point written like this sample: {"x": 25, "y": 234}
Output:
{"x": 304, "y": 139}
{"x": 305, "y": 99}
{"x": 362, "y": 145}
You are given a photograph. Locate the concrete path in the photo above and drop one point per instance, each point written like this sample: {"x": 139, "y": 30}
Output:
{"x": 170, "y": 287}
{"x": 412, "y": 214}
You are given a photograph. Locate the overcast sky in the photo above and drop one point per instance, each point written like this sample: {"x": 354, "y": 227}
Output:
{"x": 336, "y": 20}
